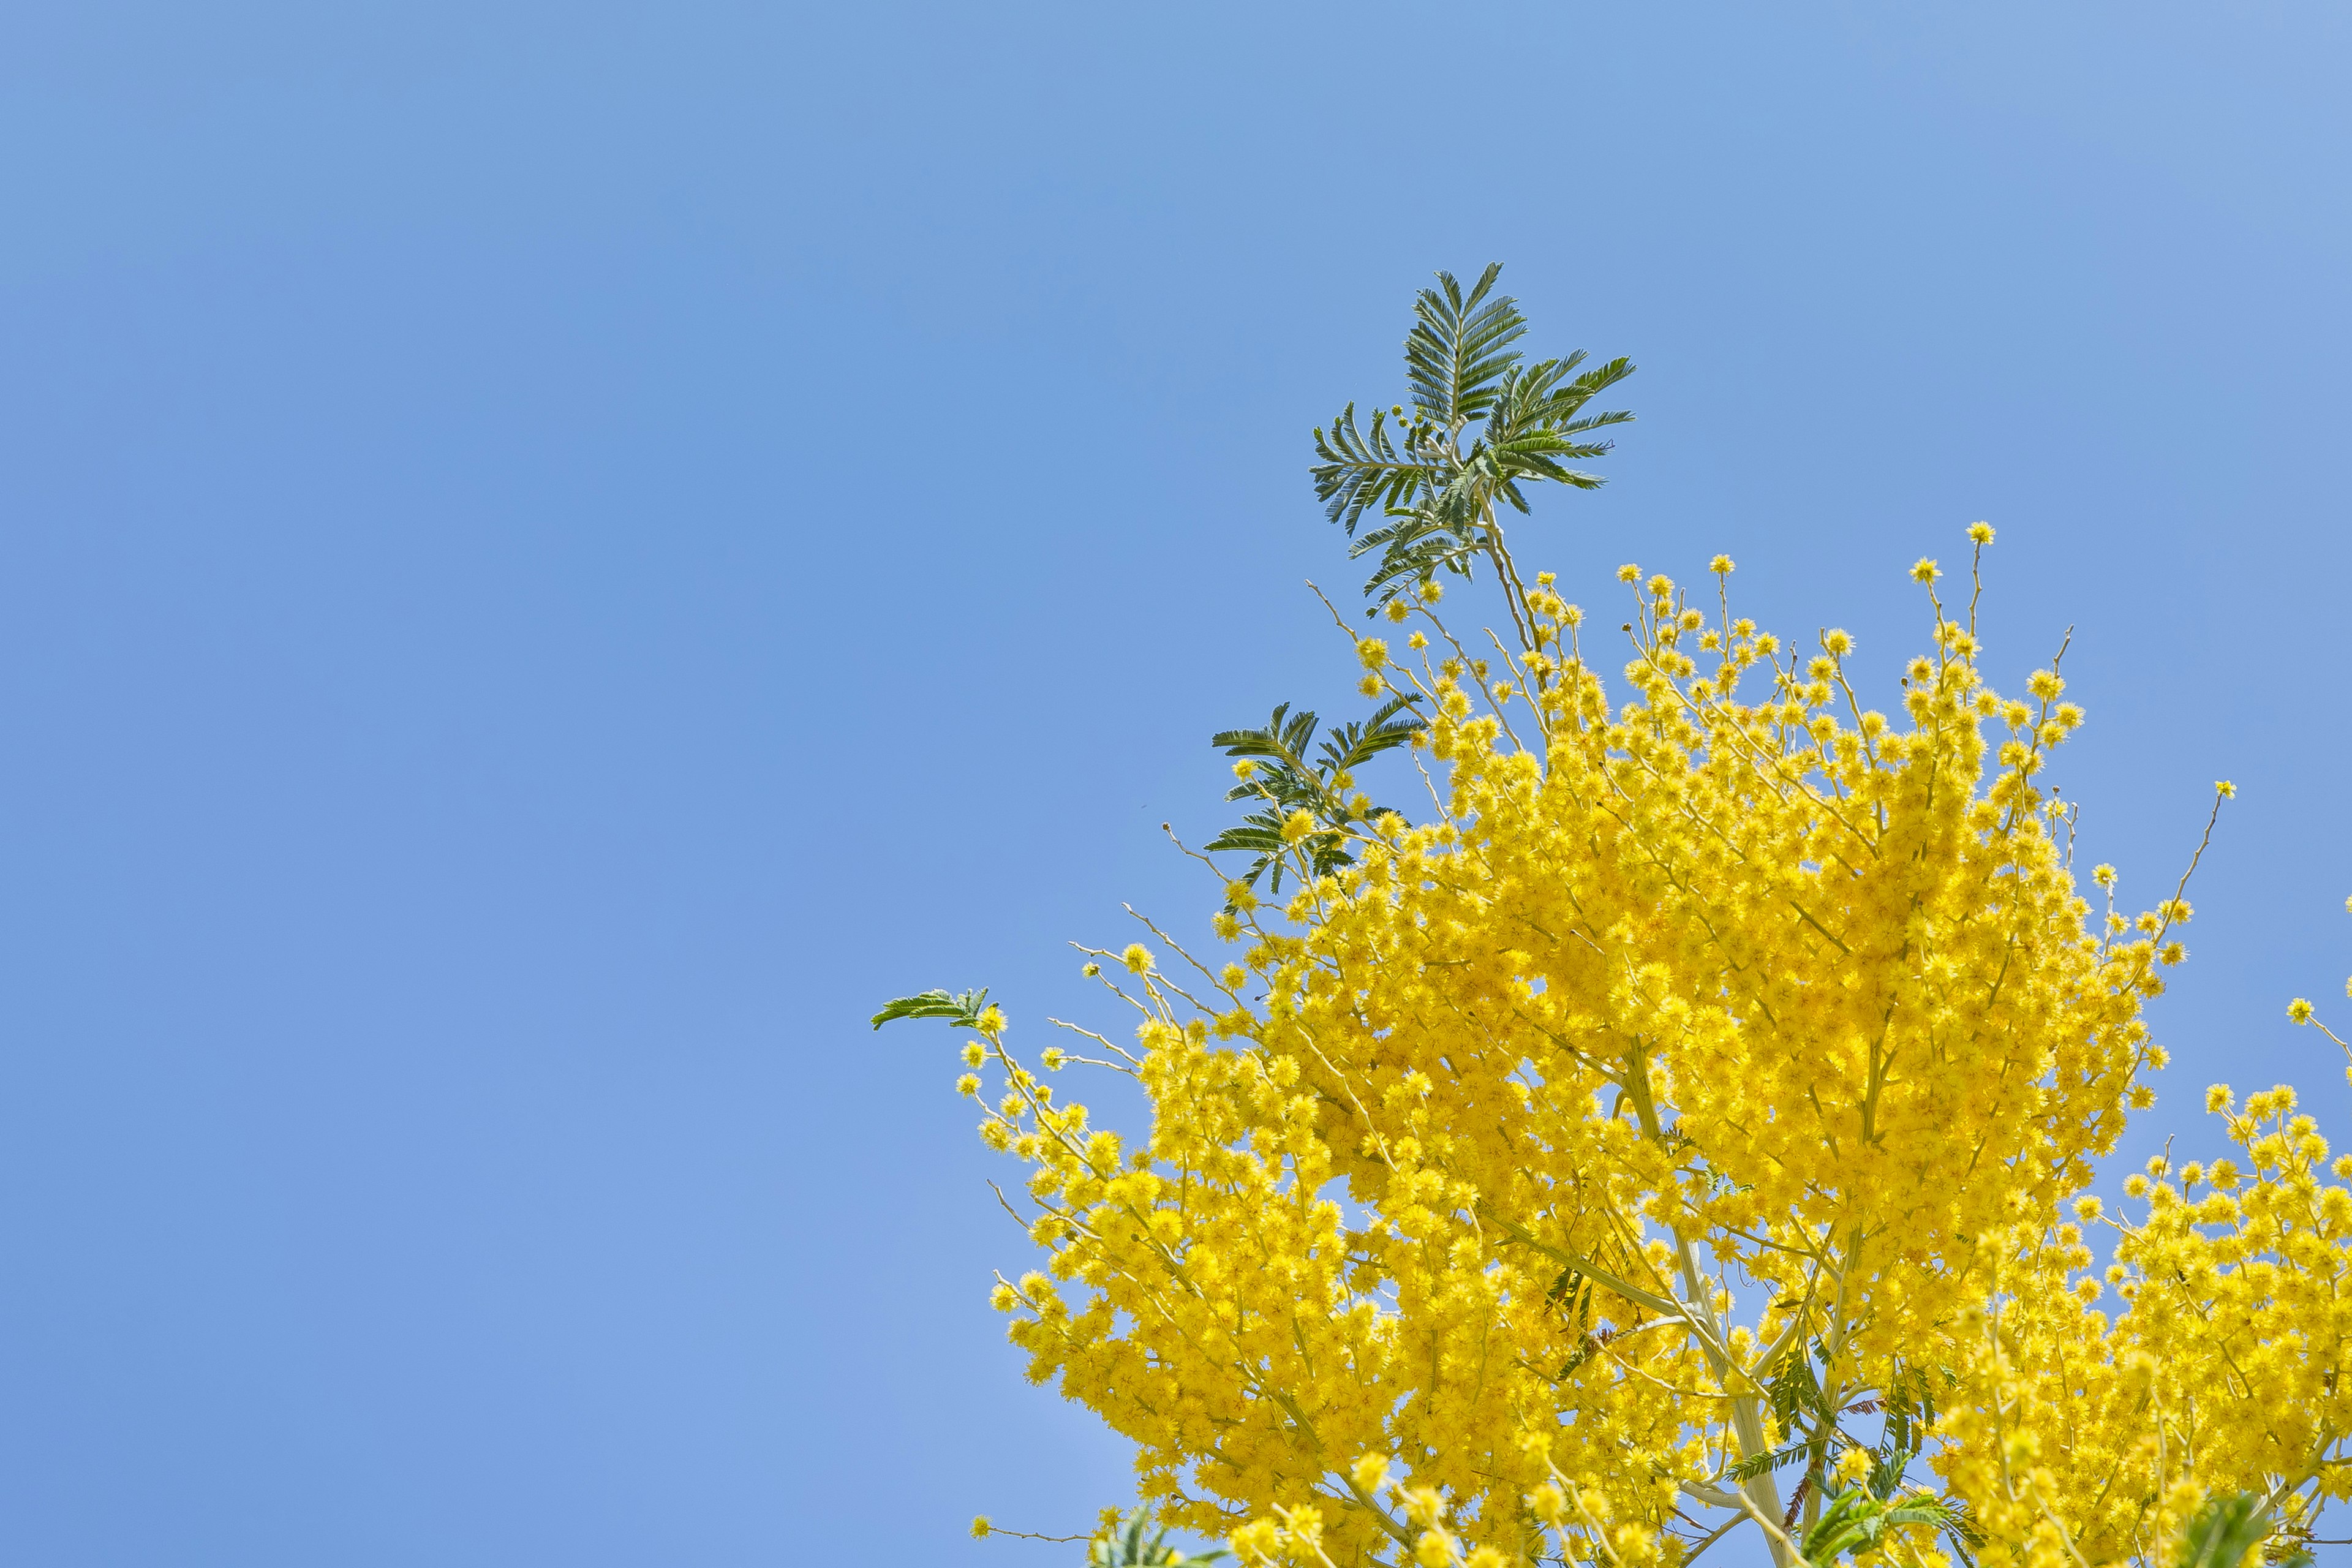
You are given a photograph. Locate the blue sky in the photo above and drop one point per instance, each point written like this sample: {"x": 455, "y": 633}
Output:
{"x": 551, "y": 557}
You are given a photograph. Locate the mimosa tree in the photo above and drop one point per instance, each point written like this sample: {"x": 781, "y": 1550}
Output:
{"x": 1682, "y": 1123}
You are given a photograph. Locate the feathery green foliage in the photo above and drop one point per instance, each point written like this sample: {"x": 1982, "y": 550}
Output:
{"x": 2228, "y": 1527}
{"x": 1858, "y": 1518}
{"x": 1286, "y": 780}
{"x": 1130, "y": 1548}
{"x": 1485, "y": 424}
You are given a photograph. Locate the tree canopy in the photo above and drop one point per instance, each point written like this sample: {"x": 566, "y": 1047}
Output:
{"x": 1682, "y": 1120}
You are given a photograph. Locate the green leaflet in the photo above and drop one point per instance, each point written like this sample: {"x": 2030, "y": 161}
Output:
{"x": 1749, "y": 1468}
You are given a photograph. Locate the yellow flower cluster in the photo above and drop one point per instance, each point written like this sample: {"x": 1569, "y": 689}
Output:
{"x": 2221, "y": 1371}
{"x": 1706, "y": 1077}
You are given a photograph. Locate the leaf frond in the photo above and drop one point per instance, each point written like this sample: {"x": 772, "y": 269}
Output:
{"x": 962, "y": 1009}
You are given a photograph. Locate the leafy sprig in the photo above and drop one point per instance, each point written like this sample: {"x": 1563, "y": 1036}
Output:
{"x": 962, "y": 1010}
{"x": 1853, "y": 1518}
{"x": 1292, "y": 774}
{"x": 1435, "y": 480}
{"x": 1858, "y": 1518}
{"x": 2229, "y": 1526}
{"x": 1130, "y": 1548}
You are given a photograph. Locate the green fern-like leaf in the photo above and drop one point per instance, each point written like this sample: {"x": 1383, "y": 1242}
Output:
{"x": 1460, "y": 346}
{"x": 1485, "y": 424}
{"x": 1747, "y": 1469}
{"x": 1128, "y": 1547}
{"x": 1294, "y": 775}
{"x": 962, "y": 1009}
{"x": 2224, "y": 1530}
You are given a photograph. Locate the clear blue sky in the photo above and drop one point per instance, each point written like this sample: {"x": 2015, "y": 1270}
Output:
{"x": 551, "y": 557}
